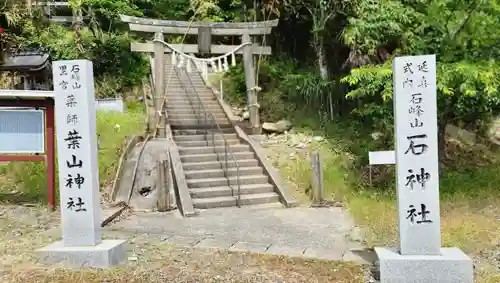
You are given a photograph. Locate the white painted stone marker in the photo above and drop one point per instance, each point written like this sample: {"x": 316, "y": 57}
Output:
{"x": 75, "y": 117}
{"x": 415, "y": 124}
{"x": 420, "y": 257}
{"x": 77, "y": 153}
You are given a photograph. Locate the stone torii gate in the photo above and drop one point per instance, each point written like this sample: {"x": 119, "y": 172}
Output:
{"x": 204, "y": 31}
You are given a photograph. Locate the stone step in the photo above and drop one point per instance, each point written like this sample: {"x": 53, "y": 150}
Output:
{"x": 195, "y": 137}
{"x": 194, "y": 100}
{"x": 183, "y": 107}
{"x": 184, "y": 82}
{"x": 198, "y": 131}
{"x": 192, "y": 115}
{"x": 194, "y": 121}
{"x": 218, "y": 115}
{"x": 207, "y": 142}
{"x": 227, "y": 191}
{"x": 177, "y": 93}
{"x": 189, "y": 158}
{"x": 187, "y": 110}
{"x": 180, "y": 90}
{"x": 223, "y": 181}
{"x": 196, "y": 105}
{"x": 185, "y": 79}
{"x": 200, "y": 109}
{"x": 204, "y": 203}
{"x": 209, "y": 149}
{"x": 181, "y": 98}
{"x": 190, "y": 105}
{"x": 194, "y": 70}
{"x": 218, "y": 164}
{"x": 203, "y": 128}
{"x": 185, "y": 87}
{"x": 194, "y": 76}
{"x": 218, "y": 173}
{"x": 188, "y": 90}
{"x": 185, "y": 97}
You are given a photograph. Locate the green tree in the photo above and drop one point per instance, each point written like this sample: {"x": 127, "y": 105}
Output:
{"x": 463, "y": 34}
{"x": 320, "y": 13}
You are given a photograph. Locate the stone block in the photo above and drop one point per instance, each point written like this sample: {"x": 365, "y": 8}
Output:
{"x": 323, "y": 254}
{"x": 104, "y": 255}
{"x": 360, "y": 256}
{"x": 452, "y": 266}
{"x": 249, "y": 247}
{"x": 214, "y": 243}
{"x": 182, "y": 241}
{"x": 285, "y": 250}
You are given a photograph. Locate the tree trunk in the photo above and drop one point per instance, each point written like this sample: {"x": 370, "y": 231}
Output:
{"x": 77, "y": 26}
{"x": 323, "y": 67}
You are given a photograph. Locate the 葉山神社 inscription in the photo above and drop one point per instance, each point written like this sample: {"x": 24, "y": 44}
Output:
{"x": 77, "y": 152}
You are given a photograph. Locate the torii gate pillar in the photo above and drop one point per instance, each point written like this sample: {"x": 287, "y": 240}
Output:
{"x": 252, "y": 102}
{"x": 159, "y": 91}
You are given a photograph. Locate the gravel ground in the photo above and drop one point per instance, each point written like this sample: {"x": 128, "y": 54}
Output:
{"x": 25, "y": 229}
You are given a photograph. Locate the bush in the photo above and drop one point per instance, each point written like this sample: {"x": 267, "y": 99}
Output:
{"x": 285, "y": 89}
{"x": 115, "y": 64}
{"x": 116, "y": 67}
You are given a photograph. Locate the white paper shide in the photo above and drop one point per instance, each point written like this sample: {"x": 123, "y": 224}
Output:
{"x": 77, "y": 152}
{"x": 415, "y": 107}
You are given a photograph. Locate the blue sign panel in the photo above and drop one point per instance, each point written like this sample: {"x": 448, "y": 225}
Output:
{"x": 22, "y": 130}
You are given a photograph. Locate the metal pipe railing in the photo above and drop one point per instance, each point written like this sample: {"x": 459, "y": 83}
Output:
{"x": 215, "y": 128}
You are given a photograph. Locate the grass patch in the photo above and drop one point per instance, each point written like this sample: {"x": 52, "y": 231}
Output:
{"x": 27, "y": 181}
{"x": 111, "y": 140}
{"x": 201, "y": 266}
{"x": 155, "y": 261}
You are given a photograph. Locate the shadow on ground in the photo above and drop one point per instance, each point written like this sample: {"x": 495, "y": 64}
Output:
{"x": 19, "y": 198}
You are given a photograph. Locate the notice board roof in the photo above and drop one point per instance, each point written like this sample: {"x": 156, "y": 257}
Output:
{"x": 25, "y": 61}
{"x": 25, "y": 94}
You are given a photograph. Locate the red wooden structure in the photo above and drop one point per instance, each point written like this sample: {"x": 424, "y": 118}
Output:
{"x": 33, "y": 69}
{"x": 43, "y": 100}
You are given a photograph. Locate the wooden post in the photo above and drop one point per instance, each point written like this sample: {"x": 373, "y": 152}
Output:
{"x": 317, "y": 178}
{"x": 162, "y": 169}
{"x": 50, "y": 151}
{"x": 253, "y": 106}
{"x": 204, "y": 40}
{"x": 159, "y": 84}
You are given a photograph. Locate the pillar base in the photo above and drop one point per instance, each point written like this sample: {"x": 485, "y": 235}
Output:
{"x": 107, "y": 254}
{"x": 452, "y": 266}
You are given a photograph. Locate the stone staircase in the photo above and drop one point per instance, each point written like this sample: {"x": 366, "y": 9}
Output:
{"x": 202, "y": 148}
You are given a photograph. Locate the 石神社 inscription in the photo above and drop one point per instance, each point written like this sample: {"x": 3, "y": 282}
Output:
{"x": 419, "y": 257}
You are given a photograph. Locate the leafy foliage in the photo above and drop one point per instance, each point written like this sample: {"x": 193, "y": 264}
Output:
{"x": 459, "y": 32}
{"x": 112, "y": 56}
{"x": 352, "y": 40}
